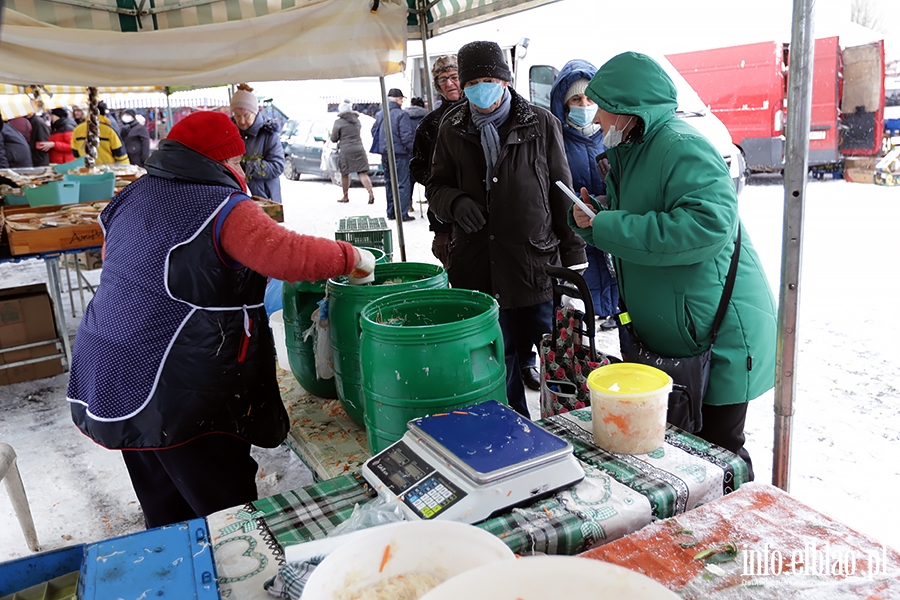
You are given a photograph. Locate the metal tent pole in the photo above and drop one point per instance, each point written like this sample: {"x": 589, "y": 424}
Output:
{"x": 795, "y": 174}
{"x": 422, "y": 15}
{"x": 92, "y": 141}
{"x": 392, "y": 166}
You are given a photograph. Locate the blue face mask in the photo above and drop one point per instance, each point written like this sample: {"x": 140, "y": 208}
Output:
{"x": 484, "y": 94}
{"x": 582, "y": 115}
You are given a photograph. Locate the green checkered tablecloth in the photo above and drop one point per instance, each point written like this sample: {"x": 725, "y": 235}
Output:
{"x": 619, "y": 495}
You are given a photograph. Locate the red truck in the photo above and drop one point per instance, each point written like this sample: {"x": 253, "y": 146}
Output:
{"x": 746, "y": 87}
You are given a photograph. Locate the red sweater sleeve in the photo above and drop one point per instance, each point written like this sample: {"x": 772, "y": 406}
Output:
{"x": 250, "y": 237}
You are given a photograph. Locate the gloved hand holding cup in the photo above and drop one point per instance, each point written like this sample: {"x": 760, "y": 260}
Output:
{"x": 364, "y": 271}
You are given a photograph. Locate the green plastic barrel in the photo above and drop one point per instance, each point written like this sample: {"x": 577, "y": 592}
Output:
{"x": 300, "y": 301}
{"x": 345, "y": 302}
{"x": 425, "y": 352}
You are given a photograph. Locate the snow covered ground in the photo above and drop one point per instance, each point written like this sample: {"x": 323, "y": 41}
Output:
{"x": 848, "y": 385}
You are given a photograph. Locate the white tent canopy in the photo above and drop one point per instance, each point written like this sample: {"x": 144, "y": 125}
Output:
{"x": 225, "y": 41}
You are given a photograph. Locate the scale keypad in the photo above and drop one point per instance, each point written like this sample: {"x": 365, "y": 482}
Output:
{"x": 433, "y": 495}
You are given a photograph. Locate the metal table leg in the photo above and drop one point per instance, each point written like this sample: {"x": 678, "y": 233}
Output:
{"x": 78, "y": 279}
{"x": 52, "y": 264}
{"x": 65, "y": 263}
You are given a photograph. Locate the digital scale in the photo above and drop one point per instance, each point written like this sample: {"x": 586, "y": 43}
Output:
{"x": 471, "y": 463}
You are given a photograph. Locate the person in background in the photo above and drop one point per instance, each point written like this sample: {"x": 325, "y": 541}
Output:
{"x": 104, "y": 112}
{"x": 584, "y": 143}
{"x": 352, "y": 157}
{"x": 672, "y": 226}
{"x": 495, "y": 162}
{"x": 416, "y": 111}
{"x": 445, "y": 76}
{"x": 264, "y": 161}
{"x": 59, "y": 146}
{"x": 40, "y": 132}
{"x": 402, "y": 134}
{"x": 14, "y": 150}
{"x": 78, "y": 114}
{"x": 135, "y": 137}
{"x": 173, "y": 363}
{"x": 22, "y": 125}
{"x": 110, "y": 150}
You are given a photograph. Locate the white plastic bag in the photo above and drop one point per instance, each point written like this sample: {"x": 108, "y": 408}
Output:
{"x": 321, "y": 342}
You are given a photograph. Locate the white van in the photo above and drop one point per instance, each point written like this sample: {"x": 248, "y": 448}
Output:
{"x": 534, "y": 78}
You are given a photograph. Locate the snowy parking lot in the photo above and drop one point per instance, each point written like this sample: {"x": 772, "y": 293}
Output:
{"x": 848, "y": 385}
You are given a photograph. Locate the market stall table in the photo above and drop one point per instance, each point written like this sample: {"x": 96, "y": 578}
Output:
{"x": 770, "y": 546}
{"x": 619, "y": 495}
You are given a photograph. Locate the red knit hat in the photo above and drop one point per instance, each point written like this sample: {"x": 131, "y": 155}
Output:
{"x": 210, "y": 133}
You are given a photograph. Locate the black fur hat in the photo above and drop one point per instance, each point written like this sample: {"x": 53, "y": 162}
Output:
{"x": 482, "y": 59}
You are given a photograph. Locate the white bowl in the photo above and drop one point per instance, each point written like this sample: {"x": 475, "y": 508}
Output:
{"x": 443, "y": 549}
{"x": 551, "y": 578}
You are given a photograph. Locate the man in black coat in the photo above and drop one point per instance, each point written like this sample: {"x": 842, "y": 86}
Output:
{"x": 495, "y": 163}
{"x": 445, "y": 76}
{"x": 40, "y": 132}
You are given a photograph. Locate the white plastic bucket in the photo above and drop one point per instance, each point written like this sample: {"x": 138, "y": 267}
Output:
{"x": 276, "y": 322}
{"x": 628, "y": 407}
{"x": 442, "y": 549}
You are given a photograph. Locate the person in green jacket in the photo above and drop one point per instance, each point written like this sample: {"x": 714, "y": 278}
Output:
{"x": 671, "y": 226}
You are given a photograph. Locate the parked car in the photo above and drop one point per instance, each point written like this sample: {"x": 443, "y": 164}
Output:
{"x": 287, "y": 130}
{"x": 310, "y": 151}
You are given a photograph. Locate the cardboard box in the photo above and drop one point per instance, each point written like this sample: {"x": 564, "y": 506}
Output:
{"x": 860, "y": 169}
{"x": 49, "y": 239}
{"x": 88, "y": 260}
{"x": 26, "y": 318}
{"x": 273, "y": 209}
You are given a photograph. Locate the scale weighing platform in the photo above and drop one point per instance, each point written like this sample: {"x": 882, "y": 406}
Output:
{"x": 471, "y": 463}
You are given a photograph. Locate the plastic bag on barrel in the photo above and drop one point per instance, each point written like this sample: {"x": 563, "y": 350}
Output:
{"x": 322, "y": 341}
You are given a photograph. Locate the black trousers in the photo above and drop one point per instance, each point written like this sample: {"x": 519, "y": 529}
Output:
{"x": 196, "y": 479}
{"x": 724, "y": 426}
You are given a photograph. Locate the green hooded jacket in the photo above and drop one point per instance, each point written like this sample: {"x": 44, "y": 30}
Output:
{"x": 671, "y": 226}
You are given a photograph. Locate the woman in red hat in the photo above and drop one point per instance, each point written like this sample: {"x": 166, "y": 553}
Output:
{"x": 173, "y": 362}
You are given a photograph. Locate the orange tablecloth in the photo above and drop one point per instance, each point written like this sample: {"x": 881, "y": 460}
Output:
{"x": 784, "y": 549}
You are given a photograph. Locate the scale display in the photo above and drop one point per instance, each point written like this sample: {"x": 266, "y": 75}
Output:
{"x": 470, "y": 463}
{"x": 416, "y": 482}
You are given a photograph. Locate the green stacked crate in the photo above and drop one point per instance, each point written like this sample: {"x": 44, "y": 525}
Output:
{"x": 367, "y": 232}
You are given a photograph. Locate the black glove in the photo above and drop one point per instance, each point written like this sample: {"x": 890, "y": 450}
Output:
{"x": 440, "y": 247}
{"x": 468, "y": 214}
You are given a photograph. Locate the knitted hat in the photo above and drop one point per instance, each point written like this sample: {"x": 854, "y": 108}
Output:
{"x": 395, "y": 93}
{"x": 245, "y": 98}
{"x": 482, "y": 59}
{"x": 210, "y": 133}
{"x": 578, "y": 86}
{"x": 345, "y": 106}
{"x": 60, "y": 113}
{"x": 442, "y": 65}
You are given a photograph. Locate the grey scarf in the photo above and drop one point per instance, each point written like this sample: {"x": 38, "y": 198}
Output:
{"x": 487, "y": 125}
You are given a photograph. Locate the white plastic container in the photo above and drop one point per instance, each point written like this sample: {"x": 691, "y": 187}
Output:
{"x": 628, "y": 407}
{"x": 550, "y": 577}
{"x": 276, "y": 322}
{"x": 442, "y": 549}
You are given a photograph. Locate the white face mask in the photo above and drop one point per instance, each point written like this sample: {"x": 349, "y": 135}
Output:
{"x": 127, "y": 118}
{"x": 613, "y": 137}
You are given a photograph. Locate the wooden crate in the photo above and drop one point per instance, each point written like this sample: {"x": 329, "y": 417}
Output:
{"x": 49, "y": 239}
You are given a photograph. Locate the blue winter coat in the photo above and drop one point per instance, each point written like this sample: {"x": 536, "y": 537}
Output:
{"x": 582, "y": 151}
{"x": 264, "y": 158}
{"x": 402, "y": 132}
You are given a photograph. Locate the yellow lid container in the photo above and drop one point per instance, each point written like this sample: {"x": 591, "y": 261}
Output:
{"x": 628, "y": 406}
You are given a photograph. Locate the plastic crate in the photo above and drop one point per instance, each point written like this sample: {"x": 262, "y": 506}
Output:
{"x": 367, "y": 232}
{"x": 55, "y": 192}
{"x": 94, "y": 187}
{"x": 64, "y": 168}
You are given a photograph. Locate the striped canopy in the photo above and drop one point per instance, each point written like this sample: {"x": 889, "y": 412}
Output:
{"x": 198, "y": 42}
{"x": 442, "y": 16}
{"x": 213, "y": 42}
